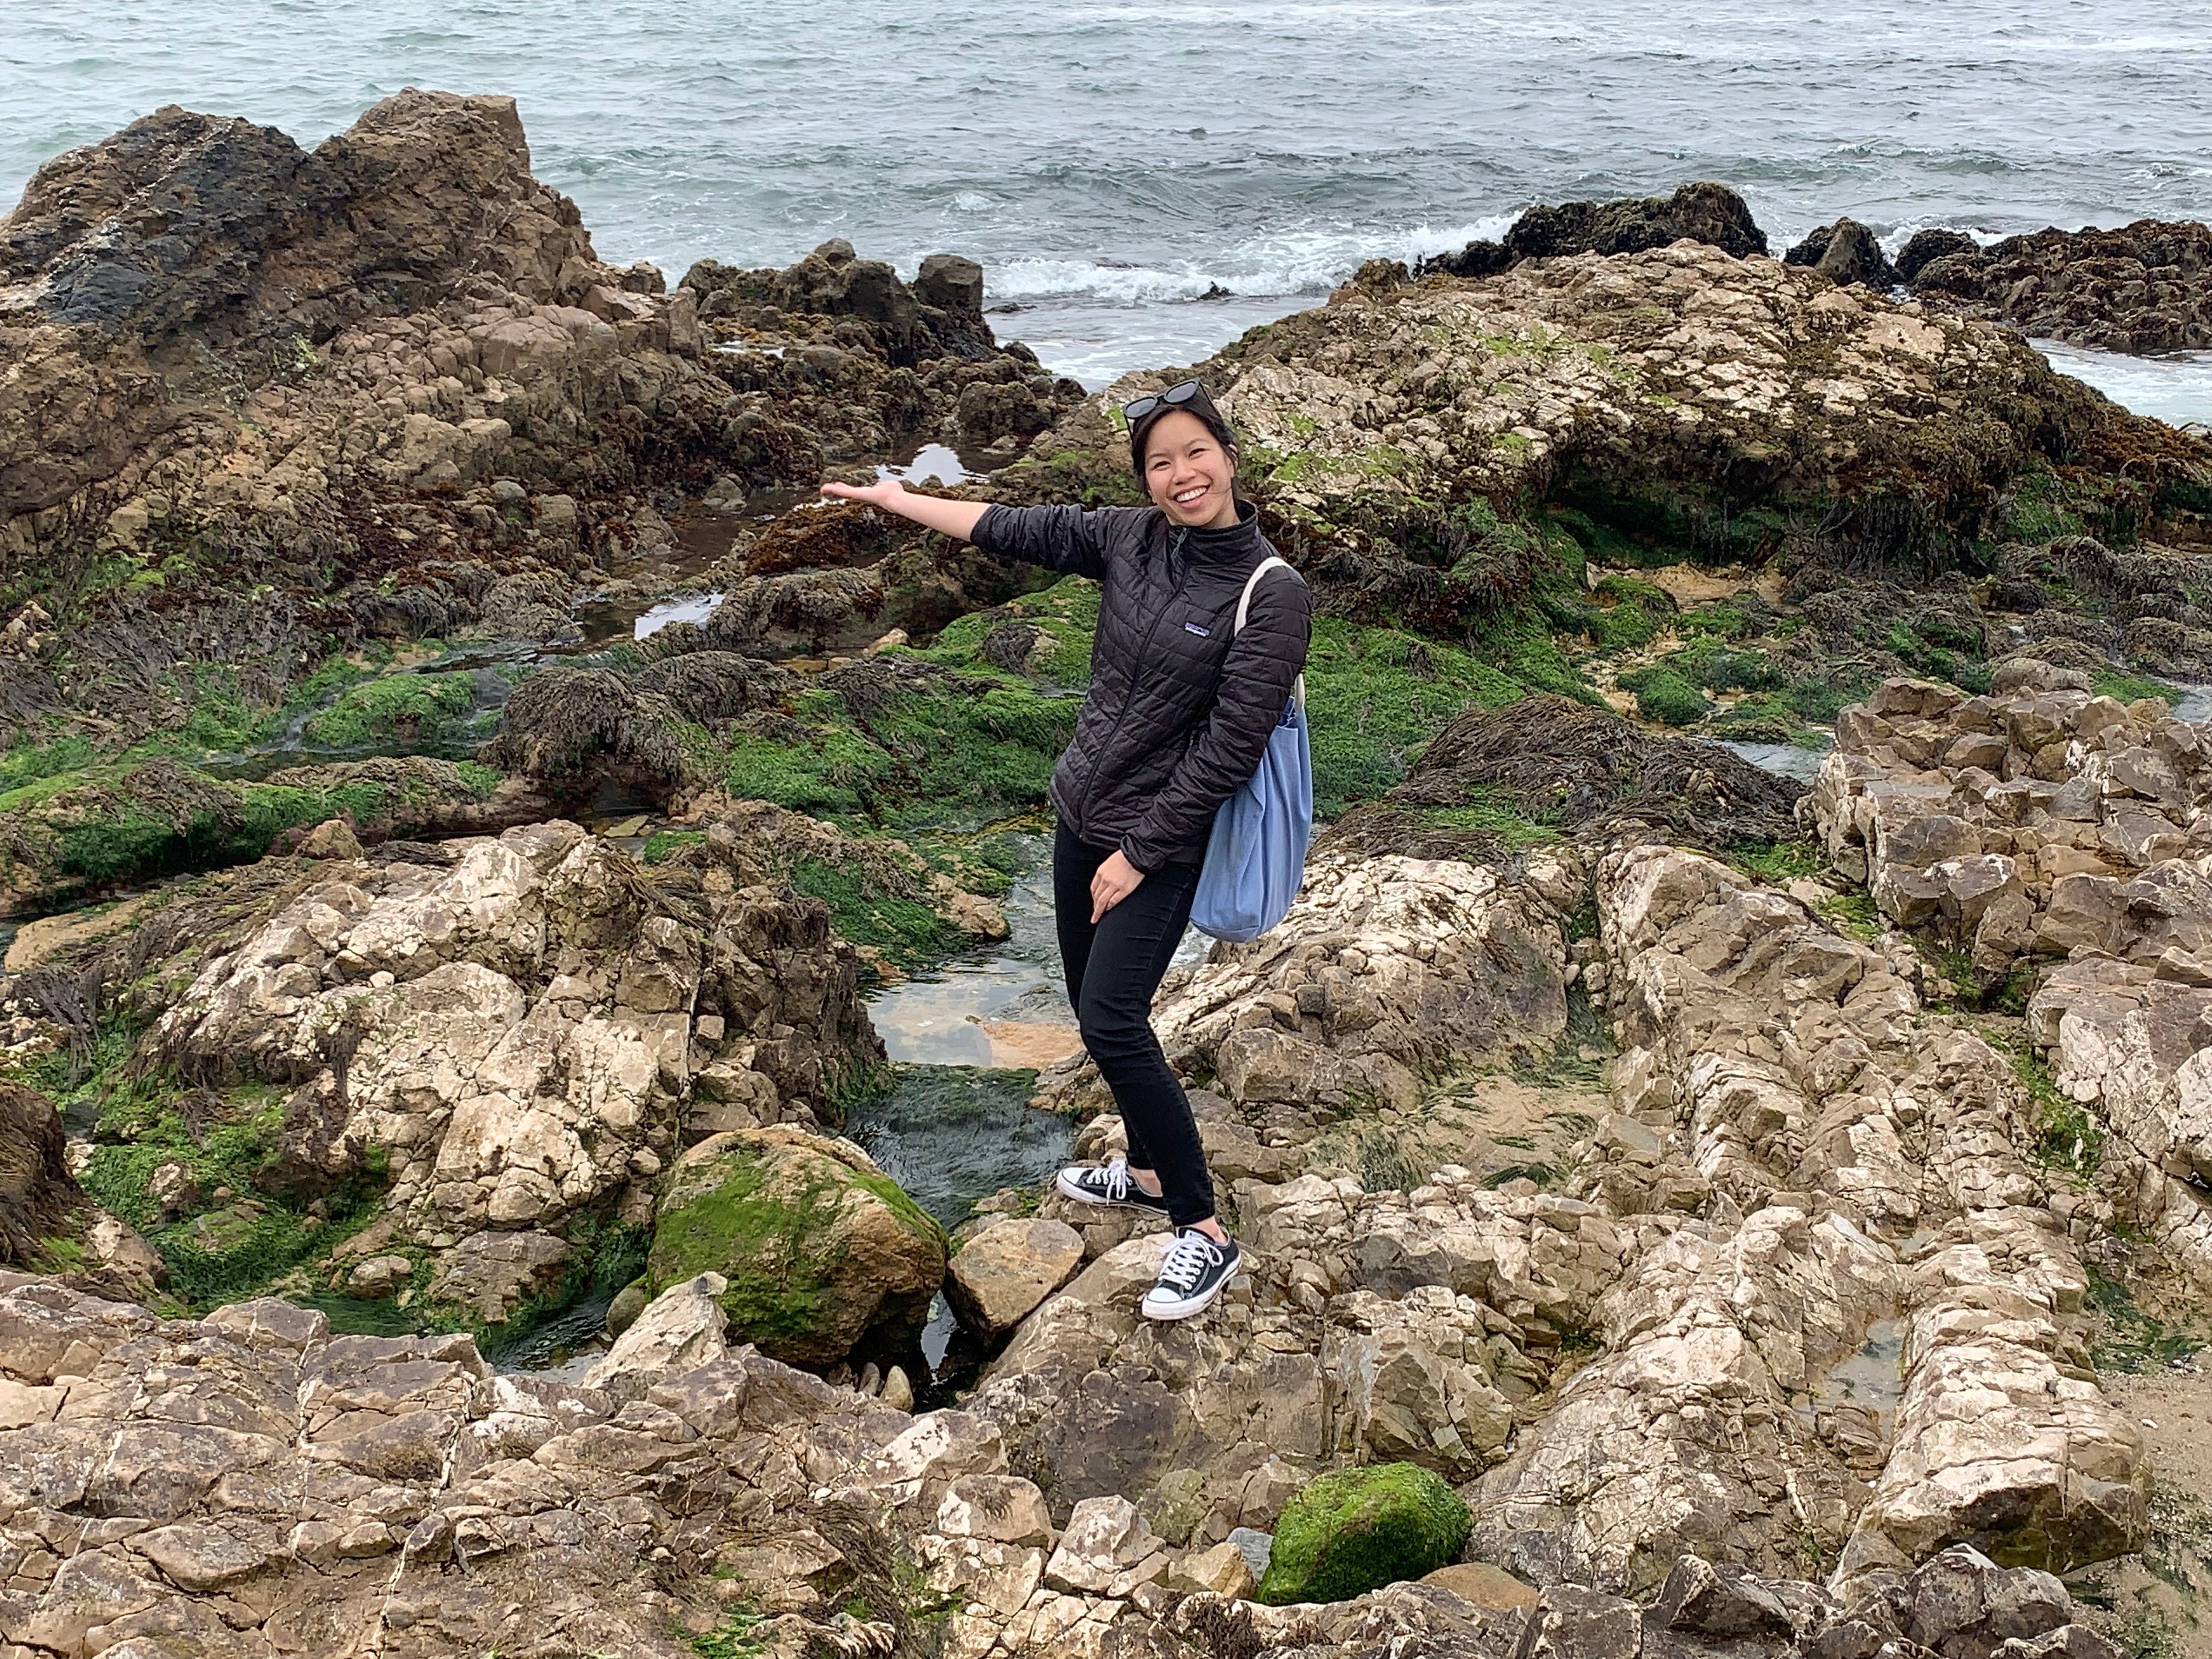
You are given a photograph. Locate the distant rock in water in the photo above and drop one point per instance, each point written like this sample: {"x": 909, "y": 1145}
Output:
{"x": 1845, "y": 253}
{"x": 1703, "y": 212}
{"x": 940, "y": 315}
{"x": 2145, "y": 288}
{"x": 1928, "y": 246}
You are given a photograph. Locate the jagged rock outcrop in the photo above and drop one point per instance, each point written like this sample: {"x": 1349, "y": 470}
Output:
{"x": 1868, "y": 1150}
{"x": 794, "y": 331}
{"x": 2034, "y": 820}
{"x": 515, "y": 1028}
{"x": 385, "y": 390}
{"x": 1385, "y": 968}
{"x": 2146, "y": 287}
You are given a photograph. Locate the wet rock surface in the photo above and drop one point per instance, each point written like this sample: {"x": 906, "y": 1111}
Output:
{"x": 2144, "y": 288}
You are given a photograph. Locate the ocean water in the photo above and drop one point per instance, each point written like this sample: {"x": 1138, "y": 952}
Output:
{"x": 1113, "y": 161}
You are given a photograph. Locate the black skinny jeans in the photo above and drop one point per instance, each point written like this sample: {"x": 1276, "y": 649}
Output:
{"x": 1113, "y": 968}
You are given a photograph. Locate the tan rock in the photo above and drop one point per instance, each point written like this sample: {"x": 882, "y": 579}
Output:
{"x": 1479, "y": 1584}
{"x": 1003, "y": 1508}
{"x": 333, "y": 839}
{"x": 1004, "y": 1271}
{"x": 1221, "y": 1570}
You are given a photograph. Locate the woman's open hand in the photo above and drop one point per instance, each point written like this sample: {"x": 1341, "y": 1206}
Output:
{"x": 886, "y": 493}
{"x": 1116, "y": 880}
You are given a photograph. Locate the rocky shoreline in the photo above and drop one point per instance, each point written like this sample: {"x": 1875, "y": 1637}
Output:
{"x": 1689, "y": 1212}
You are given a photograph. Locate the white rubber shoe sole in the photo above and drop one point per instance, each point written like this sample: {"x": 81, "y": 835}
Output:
{"x": 1167, "y": 1307}
{"x": 1137, "y": 1200}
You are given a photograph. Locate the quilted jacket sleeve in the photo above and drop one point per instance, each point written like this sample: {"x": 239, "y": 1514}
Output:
{"x": 1263, "y": 663}
{"x": 1072, "y": 540}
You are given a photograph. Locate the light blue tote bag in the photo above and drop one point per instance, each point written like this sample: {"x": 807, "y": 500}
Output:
{"x": 1257, "y": 856}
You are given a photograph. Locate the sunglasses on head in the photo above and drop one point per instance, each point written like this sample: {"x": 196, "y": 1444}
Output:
{"x": 1182, "y": 392}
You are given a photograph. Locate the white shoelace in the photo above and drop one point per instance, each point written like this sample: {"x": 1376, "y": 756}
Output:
{"x": 1187, "y": 1259}
{"x": 1117, "y": 1179}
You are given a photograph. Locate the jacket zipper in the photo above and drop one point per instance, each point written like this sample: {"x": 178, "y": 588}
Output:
{"x": 1136, "y": 677}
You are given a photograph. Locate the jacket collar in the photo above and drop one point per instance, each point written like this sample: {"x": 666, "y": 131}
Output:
{"x": 1233, "y": 547}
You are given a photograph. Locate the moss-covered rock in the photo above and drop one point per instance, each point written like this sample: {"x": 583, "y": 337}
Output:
{"x": 822, "y": 1250}
{"x": 399, "y": 708}
{"x": 1358, "y": 1529}
{"x": 1662, "y": 695}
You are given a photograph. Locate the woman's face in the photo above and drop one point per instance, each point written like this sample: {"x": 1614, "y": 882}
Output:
{"x": 1188, "y": 475}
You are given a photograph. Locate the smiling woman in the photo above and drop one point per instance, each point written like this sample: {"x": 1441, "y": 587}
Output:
{"x": 1182, "y": 706}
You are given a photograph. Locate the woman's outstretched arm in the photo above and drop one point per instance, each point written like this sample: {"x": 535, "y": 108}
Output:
{"x": 932, "y": 512}
{"x": 1069, "y": 539}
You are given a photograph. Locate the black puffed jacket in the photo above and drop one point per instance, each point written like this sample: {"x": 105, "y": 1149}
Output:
{"x": 1177, "y": 716}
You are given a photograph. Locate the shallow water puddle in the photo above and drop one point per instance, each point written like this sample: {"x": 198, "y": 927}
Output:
{"x": 1784, "y": 759}
{"x": 1005, "y": 1005}
{"x": 691, "y": 608}
{"x": 1873, "y": 1376}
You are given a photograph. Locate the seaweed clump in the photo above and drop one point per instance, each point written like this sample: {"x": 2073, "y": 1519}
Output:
{"x": 1496, "y": 781}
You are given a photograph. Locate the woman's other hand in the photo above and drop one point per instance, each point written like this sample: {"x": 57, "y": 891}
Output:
{"x": 1116, "y": 880}
{"x": 886, "y": 493}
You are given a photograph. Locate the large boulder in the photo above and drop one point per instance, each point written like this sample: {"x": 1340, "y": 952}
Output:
{"x": 1358, "y": 1529}
{"x": 1002, "y": 1271}
{"x": 821, "y": 1251}
{"x": 1845, "y": 253}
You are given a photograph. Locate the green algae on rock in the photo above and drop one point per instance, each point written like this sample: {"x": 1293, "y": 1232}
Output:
{"x": 821, "y": 1250}
{"x": 1498, "y": 781}
{"x": 1356, "y": 1530}
{"x": 64, "y": 836}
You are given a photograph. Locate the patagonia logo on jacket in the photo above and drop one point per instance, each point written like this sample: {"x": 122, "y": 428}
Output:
{"x": 1202, "y": 633}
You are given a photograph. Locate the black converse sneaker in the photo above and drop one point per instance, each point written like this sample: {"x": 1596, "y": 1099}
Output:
{"x": 1107, "y": 1183}
{"x": 1191, "y": 1274}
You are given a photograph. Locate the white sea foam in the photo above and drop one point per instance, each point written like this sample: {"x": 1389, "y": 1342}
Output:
{"x": 2176, "y": 387}
{"x": 1302, "y": 262}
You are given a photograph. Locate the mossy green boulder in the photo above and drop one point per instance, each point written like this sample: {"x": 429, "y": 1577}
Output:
{"x": 822, "y": 1250}
{"x": 1358, "y": 1529}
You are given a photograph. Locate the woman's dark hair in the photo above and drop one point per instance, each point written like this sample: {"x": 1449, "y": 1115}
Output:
{"x": 1190, "y": 397}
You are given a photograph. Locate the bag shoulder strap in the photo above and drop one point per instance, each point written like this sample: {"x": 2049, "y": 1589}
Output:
{"x": 1252, "y": 582}
{"x": 1245, "y": 607}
